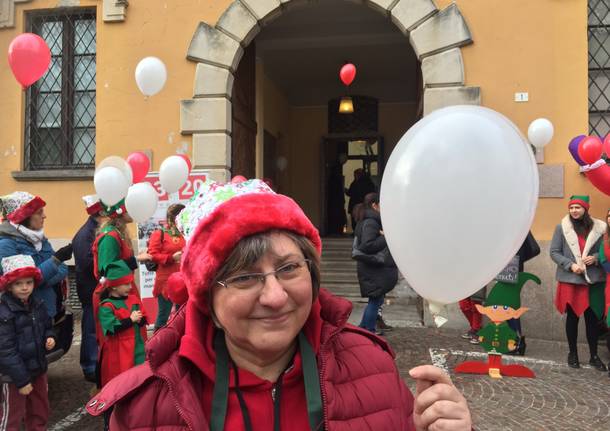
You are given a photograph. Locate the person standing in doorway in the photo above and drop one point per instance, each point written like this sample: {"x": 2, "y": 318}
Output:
{"x": 165, "y": 246}
{"x": 580, "y": 278}
{"x": 376, "y": 279}
{"x": 86, "y": 283}
{"x": 358, "y": 189}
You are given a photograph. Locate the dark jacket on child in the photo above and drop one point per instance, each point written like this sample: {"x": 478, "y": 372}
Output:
{"x": 24, "y": 329}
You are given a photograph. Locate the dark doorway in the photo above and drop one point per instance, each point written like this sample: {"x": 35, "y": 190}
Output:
{"x": 243, "y": 142}
{"x": 341, "y": 156}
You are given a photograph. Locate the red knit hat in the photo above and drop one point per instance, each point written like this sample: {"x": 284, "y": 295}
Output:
{"x": 219, "y": 216}
{"x": 16, "y": 267}
{"x": 18, "y": 206}
{"x": 93, "y": 205}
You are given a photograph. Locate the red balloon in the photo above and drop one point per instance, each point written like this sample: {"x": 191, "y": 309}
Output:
{"x": 29, "y": 58}
{"x": 140, "y": 164}
{"x": 238, "y": 179}
{"x": 590, "y": 149}
{"x": 348, "y": 73}
{"x": 187, "y": 160}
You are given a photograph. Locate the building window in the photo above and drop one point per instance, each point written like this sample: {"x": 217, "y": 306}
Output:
{"x": 599, "y": 67}
{"x": 60, "y": 110}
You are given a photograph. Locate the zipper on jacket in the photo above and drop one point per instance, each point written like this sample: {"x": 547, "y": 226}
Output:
{"x": 173, "y": 394}
{"x": 323, "y": 373}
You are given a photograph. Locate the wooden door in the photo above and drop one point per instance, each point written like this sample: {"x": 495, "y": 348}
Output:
{"x": 243, "y": 143}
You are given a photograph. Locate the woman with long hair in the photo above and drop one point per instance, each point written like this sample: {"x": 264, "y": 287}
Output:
{"x": 580, "y": 278}
{"x": 375, "y": 279}
{"x": 165, "y": 246}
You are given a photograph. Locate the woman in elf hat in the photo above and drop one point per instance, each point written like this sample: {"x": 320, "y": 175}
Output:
{"x": 113, "y": 255}
{"x": 580, "y": 278}
{"x": 260, "y": 345}
{"x": 22, "y": 232}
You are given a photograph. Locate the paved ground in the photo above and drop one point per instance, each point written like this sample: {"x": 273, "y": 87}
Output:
{"x": 559, "y": 398}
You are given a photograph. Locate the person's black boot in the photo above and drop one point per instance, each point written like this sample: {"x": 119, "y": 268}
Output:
{"x": 573, "y": 360}
{"x": 597, "y": 363}
{"x": 522, "y": 346}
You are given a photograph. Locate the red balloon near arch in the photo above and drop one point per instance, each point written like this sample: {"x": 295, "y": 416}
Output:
{"x": 348, "y": 73}
{"x": 590, "y": 149}
{"x": 29, "y": 57}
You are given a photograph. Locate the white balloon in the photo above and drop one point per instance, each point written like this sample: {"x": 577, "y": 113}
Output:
{"x": 110, "y": 185}
{"x": 173, "y": 173}
{"x": 141, "y": 201}
{"x": 120, "y": 164}
{"x": 540, "y": 132}
{"x": 151, "y": 75}
{"x": 458, "y": 197}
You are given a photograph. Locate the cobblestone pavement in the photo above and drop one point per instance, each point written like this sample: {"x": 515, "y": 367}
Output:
{"x": 559, "y": 398}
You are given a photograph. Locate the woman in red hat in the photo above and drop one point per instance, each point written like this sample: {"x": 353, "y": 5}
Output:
{"x": 260, "y": 345}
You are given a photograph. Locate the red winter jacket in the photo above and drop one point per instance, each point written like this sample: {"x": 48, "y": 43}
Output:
{"x": 361, "y": 387}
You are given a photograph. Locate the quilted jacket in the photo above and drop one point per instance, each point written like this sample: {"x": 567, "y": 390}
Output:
{"x": 361, "y": 387}
{"x": 23, "y": 334}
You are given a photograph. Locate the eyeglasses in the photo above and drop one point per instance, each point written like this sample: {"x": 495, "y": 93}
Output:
{"x": 286, "y": 274}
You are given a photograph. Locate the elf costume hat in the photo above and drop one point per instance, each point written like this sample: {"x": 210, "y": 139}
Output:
{"x": 93, "y": 204}
{"x": 218, "y": 216}
{"x": 509, "y": 294}
{"x": 582, "y": 200}
{"x": 117, "y": 273}
{"x": 116, "y": 210}
{"x": 16, "y": 267}
{"x": 18, "y": 206}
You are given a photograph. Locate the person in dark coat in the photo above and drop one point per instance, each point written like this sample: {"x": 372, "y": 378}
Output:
{"x": 86, "y": 283}
{"x": 528, "y": 250}
{"x": 375, "y": 279}
{"x": 26, "y": 333}
{"x": 358, "y": 189}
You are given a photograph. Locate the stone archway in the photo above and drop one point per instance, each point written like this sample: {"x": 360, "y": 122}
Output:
{"x": 435, "y": 35}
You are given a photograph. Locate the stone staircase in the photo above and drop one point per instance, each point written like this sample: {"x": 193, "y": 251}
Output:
{"x": 402, "y": 307}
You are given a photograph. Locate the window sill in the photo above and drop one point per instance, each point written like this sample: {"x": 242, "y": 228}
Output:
{"x": 54, "y": 175}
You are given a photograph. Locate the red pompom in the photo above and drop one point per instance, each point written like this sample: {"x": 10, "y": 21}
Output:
{"x": 176, "y": 290}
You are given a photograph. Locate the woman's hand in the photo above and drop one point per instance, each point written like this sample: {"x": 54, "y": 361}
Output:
{"x": 438, "y": 404}
{"x": 577, "y": 269}
{"x": 177, "y": 256}
{"x": 143, "y": 257}
{"x": 50, "y": 343}
{"x": 26, "y": 389}
{"x": 589, "y": 260}
{"x": 136, "y": 316}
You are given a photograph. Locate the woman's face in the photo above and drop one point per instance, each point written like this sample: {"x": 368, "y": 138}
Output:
{"x": 36, "y": 220}
{"x": 266, "y": 320}
{"x": 576, "y": 211}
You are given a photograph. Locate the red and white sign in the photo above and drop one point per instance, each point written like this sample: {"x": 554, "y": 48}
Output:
{"x": 187, "y": 191}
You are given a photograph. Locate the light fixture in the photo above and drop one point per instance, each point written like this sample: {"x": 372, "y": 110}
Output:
{"x": 346, "y": 106}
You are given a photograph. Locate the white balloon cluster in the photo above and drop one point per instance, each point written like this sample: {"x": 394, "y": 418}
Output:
{"x": 114, "y": 177}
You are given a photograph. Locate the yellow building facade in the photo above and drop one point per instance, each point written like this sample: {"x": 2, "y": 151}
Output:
{"x": 462, "y": 51}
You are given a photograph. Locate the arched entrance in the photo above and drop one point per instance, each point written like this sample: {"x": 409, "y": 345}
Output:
{"x": 435, "y": 36}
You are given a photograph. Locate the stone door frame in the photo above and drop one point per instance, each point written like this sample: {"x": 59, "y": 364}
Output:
{"x": 435, "y": 35}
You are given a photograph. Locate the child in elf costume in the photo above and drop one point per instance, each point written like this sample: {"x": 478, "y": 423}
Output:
{"x": 113, "y": 255}
{"x": 502, "y": 304}
{"x": 26, "y": 334}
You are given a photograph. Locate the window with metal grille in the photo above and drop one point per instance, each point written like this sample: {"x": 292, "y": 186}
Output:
{"x": 599, "y": 67}
{"x": 60, "y": 110}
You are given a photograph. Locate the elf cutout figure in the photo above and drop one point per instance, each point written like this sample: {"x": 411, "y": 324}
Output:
{"x": 502, "y": 304}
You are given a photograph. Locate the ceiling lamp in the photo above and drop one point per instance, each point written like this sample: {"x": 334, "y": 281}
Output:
{"x": 346, "y": 106}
